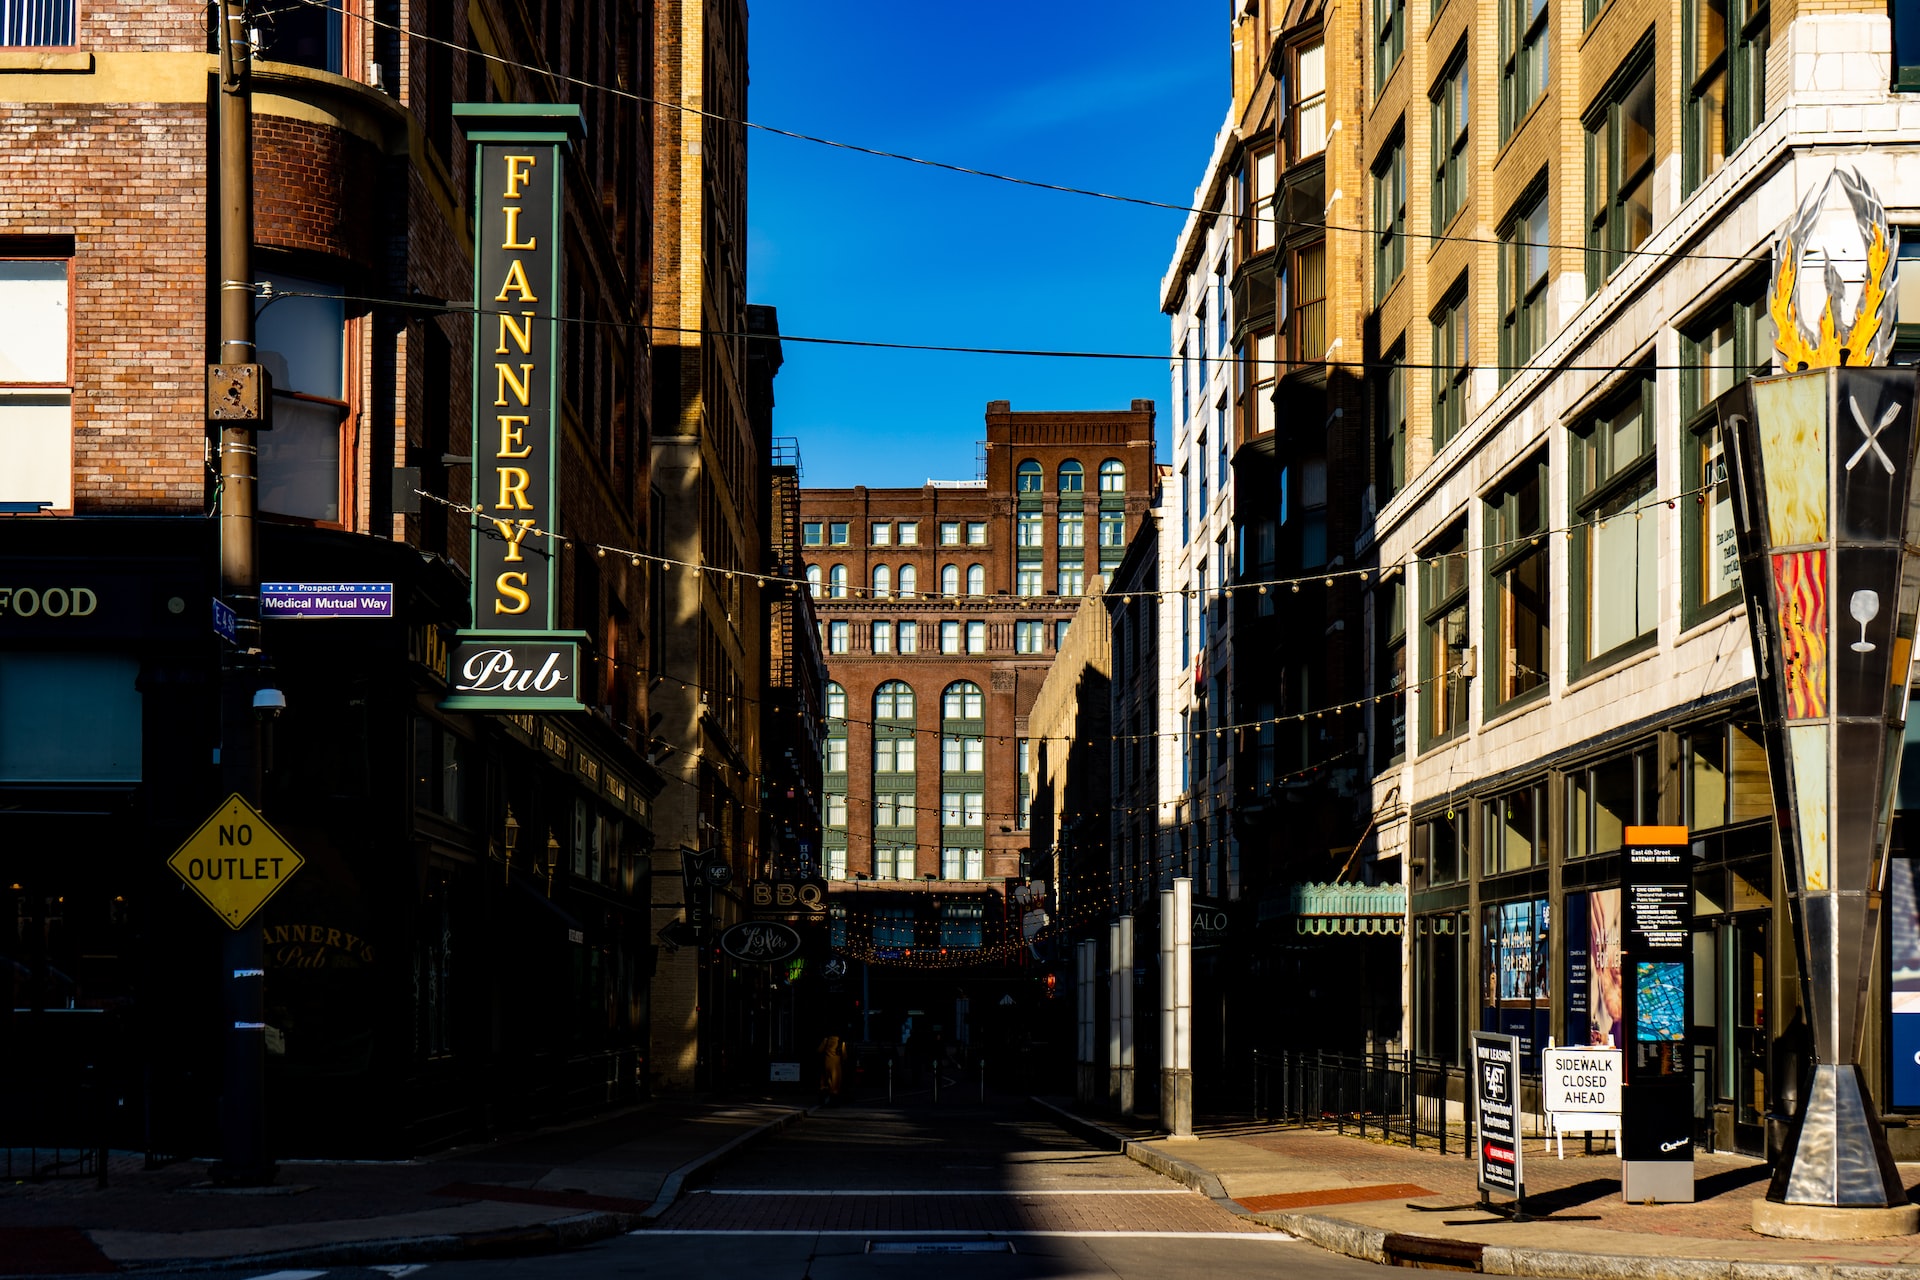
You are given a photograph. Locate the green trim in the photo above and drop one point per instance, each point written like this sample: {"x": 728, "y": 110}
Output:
{"x": 557, "y": 122}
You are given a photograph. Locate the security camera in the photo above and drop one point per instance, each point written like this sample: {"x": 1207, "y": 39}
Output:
{"x": 269, "y": 702}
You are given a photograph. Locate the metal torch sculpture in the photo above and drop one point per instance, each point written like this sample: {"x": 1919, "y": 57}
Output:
{"x": 1822, "y": 460}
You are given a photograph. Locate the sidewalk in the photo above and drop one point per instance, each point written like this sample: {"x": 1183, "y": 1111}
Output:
{"x": 530, "y": 1194}
{"x": 1395, "y": 1204}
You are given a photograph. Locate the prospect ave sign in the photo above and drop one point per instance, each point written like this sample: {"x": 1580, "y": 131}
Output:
{"x": 235, "y": 862}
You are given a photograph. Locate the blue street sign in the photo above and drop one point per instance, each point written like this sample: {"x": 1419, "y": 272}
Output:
{"x": 326, "y": 600}
{"x": 225, "y": 624}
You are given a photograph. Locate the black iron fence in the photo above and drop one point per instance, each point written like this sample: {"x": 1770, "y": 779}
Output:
{"x": 1397, "y": 1096}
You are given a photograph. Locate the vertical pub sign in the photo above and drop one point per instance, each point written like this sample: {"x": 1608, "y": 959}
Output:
{"x": 514, "y": 658}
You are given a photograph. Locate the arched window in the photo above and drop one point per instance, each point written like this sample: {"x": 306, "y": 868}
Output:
{"x": 893, "y": 701}
{"x": 1028, "y": 477}
{"x": 836, "y": 701}
{"x": 882, "y": 582}
{"x": 837, "y": 582}
{"x": 950, "y": 580}
{"x": 976, "y": 580}
{"x": 1073, "y": 477}
{"x": 963, "y": 701}
{"x": 1113, "y": 476}
{"x": 813, "y": 580}
{"x": 909, "y": 579}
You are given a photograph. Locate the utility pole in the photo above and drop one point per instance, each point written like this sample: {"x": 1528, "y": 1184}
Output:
{"x": 238, "y": 400}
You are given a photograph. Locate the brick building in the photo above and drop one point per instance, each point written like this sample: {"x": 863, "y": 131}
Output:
{"x": 942, "y": 609}
{"x": 436, "y": 841}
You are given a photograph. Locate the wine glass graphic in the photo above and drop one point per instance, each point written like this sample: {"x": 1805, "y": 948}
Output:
{"x": 1865, "y": 607}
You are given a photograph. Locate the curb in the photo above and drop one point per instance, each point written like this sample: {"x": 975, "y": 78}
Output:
{"x": 552, "y": 1236}
{"x": 1188, "y": 1174}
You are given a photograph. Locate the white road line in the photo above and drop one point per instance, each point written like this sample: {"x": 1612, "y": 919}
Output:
{"x": 397, "y": 1269}
{"x": 797, "y": 1191}
{"x": 1269, "y": 1236}
{"x": 290, "y": 1275}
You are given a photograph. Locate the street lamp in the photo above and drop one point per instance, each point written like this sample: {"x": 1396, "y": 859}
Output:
{"x": 553, "y": 860}
{"x": 511, "y": 838}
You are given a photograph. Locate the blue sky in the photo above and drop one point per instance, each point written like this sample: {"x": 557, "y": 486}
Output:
{"x": 1124, "y": 96}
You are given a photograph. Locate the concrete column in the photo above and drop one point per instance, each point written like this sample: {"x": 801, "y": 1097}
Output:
{"x": 1176, "y": 1008}
{"x": 1086, "y": 957}
{"x": 1123, "y": 997}
{"x": 1113, "y": 1014}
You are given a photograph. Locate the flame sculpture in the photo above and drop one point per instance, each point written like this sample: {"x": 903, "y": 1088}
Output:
{"x": 1868, "y": 335}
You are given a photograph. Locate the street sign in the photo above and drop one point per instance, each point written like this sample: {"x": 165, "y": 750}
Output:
{"x": 1579, "y": 1081}
{"x": 225, "y": 624}
{"x": 326, "y": 600}
{"x": 235, "y": 862}
{"x": 760, "y": 942}
{"x": 1496, "y": 1112}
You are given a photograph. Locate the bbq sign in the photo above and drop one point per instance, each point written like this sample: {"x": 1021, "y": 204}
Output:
{"x": 519, "y": 154}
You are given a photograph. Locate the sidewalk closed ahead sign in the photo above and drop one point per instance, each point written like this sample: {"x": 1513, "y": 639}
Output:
{"x": 235, "y": 862}
{"x": 1496, "y": 1112}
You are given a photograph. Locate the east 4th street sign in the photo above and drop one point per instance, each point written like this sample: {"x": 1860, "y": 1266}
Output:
{"x": 235, "y": 862}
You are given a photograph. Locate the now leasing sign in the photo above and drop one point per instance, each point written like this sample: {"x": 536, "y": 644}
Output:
{"x": 514, "y": 658}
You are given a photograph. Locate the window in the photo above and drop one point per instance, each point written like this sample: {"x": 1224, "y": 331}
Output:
{"x": 893, "y": 809}
{"x": 836, "y": 814}
{"x": 302, "y": 342}
{"x": 1073, "y": 580}
{"x": 1451, "y": 369}
{"x": 963, "y": 755}
{"x": 812, "y": 533}
{"x": 1726, "y": 777}
{"x": 1389, "y": 40}
{"x": 909, "y": 580}
{"x": 909, "y": 533}
{"x": 976, "y": 637}
{"x": 1073, "y": 477}
{"x": 1029, "y": 637}
{"x": 1518, "y": 570}
{"x": 1186, "y": 507}
{"x": 837, "y": 533}
{"x": 1256, "y": 204}
{"x": 1309, "y": 113}
{"x": 836, "y": 637}
{"x": 1113, "y": 476}
{"x": 36, "y": 381}
{"x": 813, "y": 580}
{"x": 96, "y": 696}
{"x": 1733, "y": 343}
{"x": 976, "y": 580}
{"x": 42, "y": 24}
{"x": 909, "y": 637}
{"x": 1390, "y": 672}
{"x": 1060, "y": 628}
{"x": 1523, "y": 286}
{"x": 961, "y": 864}
{"x": 893, "y": 701}
{"x": 1515, "y": 830}
{"x": 1026, "y": 580}
{"x": 893, "y": 755}
{"x": 1255, "y": 383}
{"x": 1390, "y": 214}
{"x": 1523, "y": 60}
{"x": 1726, "y": 54}
{"x": 1439, "y": 842}
{"x": 950, "y": 637}
{"x": 837, "y": 582}
{"x": 882, "y": 582}
{"x": 976, "y": 533}
{"x": 1113, "y": 529}
{"x": 880, "y": 534}
{"x": 1443, "y": 611}
{"x": 1307, "y": 319}
{"x": 1616, "y": 543}
{"x": 950, "y": 580}
{"x": 1450, "y": 157}
{"x": 1028, "y": 529}
{"x": 836, "y": 757}
{"x": 1604, "y": 799}
{"x": 1221, "y": 306}
{"x": 883, "y": 637}
{"x": 1028, "y": 477}
{"x": 836, "y": 702}
{"x": 1620, "y": 171}
{"x": 1073, "y": 529}
{"x": 1390, "y": 396}
{"x": 1220, "y": 431}
{"x": 962, "y": 701}
{"x": 949, "y": 533}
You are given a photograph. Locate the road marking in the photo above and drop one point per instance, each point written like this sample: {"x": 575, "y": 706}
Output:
{"x": 811, "y": 1191}
{"x": 397, "y": 1269}
{"x": 1271, "y": 1236}
{"x": 291, "y": 1275}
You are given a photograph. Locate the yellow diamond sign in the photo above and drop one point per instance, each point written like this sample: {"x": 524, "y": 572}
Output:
{"x": 235, "y": 861}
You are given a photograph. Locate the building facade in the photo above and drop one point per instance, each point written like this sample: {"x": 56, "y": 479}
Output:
{"x": 436, "y": 841}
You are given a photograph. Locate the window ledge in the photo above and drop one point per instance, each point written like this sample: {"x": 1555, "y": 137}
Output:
{"x": 1514, "y": 708}
{"x": 1710, "y": 616}
{"x": 31, "y": 60}
{"x": 1630, "y": 655}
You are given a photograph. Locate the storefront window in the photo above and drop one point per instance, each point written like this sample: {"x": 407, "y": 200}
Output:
{"x": 1593, "y": 994}
{"x": 1518, "y": 982}
{"x": 1438, "y": 842}
{"x": 1516, "y": 830}
{"x": 1727, "y": 778}
{"x": 1606, "y": 798}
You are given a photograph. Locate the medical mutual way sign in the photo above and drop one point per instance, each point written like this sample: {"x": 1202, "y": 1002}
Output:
{"x": 235, "y": 862}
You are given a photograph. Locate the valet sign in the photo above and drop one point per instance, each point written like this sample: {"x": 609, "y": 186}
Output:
{"x": 514, "y": 658}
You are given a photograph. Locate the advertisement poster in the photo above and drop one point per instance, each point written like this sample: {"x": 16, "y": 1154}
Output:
{"x": 1594, "y": 995}
{"x": 1496, "y": 1111}
{"x": 1518, "y": 986}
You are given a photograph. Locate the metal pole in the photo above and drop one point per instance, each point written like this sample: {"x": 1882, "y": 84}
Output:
{"x": 243, "y": 1129}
